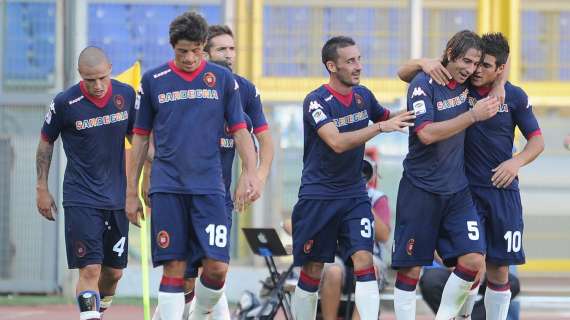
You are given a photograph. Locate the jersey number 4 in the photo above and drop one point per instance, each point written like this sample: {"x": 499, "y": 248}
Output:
{"x": 119, "y": 247}
{"x": 218, "y": 235}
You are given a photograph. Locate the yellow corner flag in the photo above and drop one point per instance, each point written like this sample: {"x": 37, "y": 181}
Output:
{"x": 132, "y": 77}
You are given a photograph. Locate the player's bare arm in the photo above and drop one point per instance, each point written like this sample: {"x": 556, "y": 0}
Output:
{"x": 44, "y": 200}
{"x": 341, "y": 142}
{"x": 133, "y": 205}
{"x": 433, "y": 67}
{"x": 265, "y": 155}
{"x": 248, "y": 187}
{"x": 507, "y": 171}
{"x": 437, "y": 131}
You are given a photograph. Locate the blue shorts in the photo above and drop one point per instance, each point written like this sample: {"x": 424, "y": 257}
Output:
{"x": 182, "y": 224}
{"x": 96, "y": 236}
{"x": 500, "y": 212}
{"x": 427, "y": 221}
{"x": 194, "y": 261}
{"x": 322, "y": 226}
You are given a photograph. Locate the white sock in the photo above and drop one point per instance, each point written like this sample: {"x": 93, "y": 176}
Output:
{"x": 106, "y": 302}
{"x": 204, "y": 301}
{"x": 404, "y": 304}
{"x": 497, "y": 304}
{"x": 221, "y": 310}
{"x": 171, "y": 305}
{"x": 467, "y": 307}
{"x": 304, "y": 304}
{"x": 156, "y": 315}
{"x": 454, "y": 295}
{"x": 367, "y": 299}
{"x": 89, "y": 315}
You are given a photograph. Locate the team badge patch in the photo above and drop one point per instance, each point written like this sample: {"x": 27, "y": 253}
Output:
{"x": 80, "y": 249}
{"x": 410, "y": 247}
{"x": 359, "y": 100}
{"x": 163, "y": 239}
{"x": 308, "y": 246}
{"x": 119, "y": 101}
{"x": 419, "y": 107}
{"x": 210, "y": 79}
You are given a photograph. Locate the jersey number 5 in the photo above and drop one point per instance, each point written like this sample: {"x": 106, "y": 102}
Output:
{"x": 472, "y": 230}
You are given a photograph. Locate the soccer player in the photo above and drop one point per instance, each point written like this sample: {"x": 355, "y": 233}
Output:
{"x": 93, "y": 118}
{"x": 185, "y": 103}
{"x": 333, "y": 203}
{"x": 492, "y": 173}
{"x": 434, "y": 207}
{"x": 220, "y": 49}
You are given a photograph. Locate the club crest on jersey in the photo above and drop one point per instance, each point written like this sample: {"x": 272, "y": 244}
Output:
{"x": 119, "y": 101}
{"x": 308, "y": 246}
{"x": 210, "y": 79}
{"x": 410, "y": 247}
{"x": 359, "y": 100}
{"x": 80, "y": 249}
{"x": 163, "y": 239}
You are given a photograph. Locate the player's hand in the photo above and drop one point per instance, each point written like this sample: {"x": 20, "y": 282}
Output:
{"x": 485, "y": 108}
{"x": 398, "y": 123}
{"x": 498, "y": 92}
{"x": 134, "y": 209}
{"x": 505, "y": 173}
{"x": 46, "y": 204}
{"x": 436, "y": 71}
{"x": 247, "y": 191}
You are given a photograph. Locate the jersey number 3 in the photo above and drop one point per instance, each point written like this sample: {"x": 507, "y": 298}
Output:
{"x": 366, "y": 231}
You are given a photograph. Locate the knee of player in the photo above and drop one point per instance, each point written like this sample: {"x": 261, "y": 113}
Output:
{"x": 111, "y": 274}
{"x": 362, "y": 260}
{"x": 90, "y": 272}
{"x": 472, "y": 261}
{"x": 215, "y": 270}
{"x": 333, "y": 274}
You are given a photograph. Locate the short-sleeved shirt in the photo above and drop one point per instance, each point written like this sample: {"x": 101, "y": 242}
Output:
{"x": 327, "y": 174}
{"x": 93, "y": 134}
{"x": 490, "y": 142}
{"x": 438, "y": 167}
{"x": 187, "y": 112}
{"x": 255, "y": 120}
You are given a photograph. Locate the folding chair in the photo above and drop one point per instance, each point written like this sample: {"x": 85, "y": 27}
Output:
{"x": 265, "y": 242}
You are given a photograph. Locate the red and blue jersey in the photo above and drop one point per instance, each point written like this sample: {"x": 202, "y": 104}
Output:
{"x": 187, "y": 112}
{"x": 93, "y": 134}
{"x": 255, "y": 120}
{"x": 439, "y": 167}
{"x": 490, "y": 142}
{"x": 327, "y": 174}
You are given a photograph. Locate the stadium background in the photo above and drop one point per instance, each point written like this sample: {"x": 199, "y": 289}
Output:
{"x": 278, "y": 48}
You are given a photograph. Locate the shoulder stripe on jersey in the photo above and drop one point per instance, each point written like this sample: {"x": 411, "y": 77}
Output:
{"x": 536, "y": 132}
{"x": 384, "y": 116}
{"x": 421, "y": 126}
{"x": 141, "y": 132}
{"x": 237, "y": 126}
{"x": 261, "y": 129}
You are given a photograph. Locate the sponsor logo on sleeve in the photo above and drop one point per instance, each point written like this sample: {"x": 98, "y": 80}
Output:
{"x": 314, "y": 105}
{"x": 318, "y": 115}
{"x": 236, "y": 86}
{"x": 419, "y": 107}
{"x": 418, "y": 92}
{"x": 50, "y": 111}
